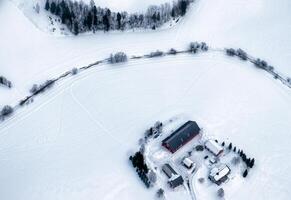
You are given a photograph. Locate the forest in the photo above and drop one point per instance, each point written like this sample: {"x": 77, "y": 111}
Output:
{"x": 80, "y": 17}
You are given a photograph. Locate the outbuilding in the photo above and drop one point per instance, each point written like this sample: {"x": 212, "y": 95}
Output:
{"x": 213, "y": 147}
{"x": 175, "y": 179}
{"x": 188, "y": 163}
{"x": 219, "y": 174}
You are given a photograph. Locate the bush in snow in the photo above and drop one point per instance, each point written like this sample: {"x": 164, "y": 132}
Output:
{"x": 261, "y": 64}
{"x": 172, "y": 51}
{"x": 74, "y": 71}
{"x": 204, "y": 46}
{"x": 220, "y": 192}
{"x": 6, "y": 111}
{"x": 276, "y": 76}
{"x": 201, "y": 180}
{"x": 230, "y": 52}
{"x": 289, "y": 80}
{"x": 194, "y": 47}
{"x": 235, "y": 160}
{"x": 199, "y": 148}
{"x": 160, "y": 193}
{"x": 4, "y": 81}
{"x": 270, "y": 68}
{"x": 34, "y": 88}
{"x": 118, "y": 58}
{"x": 156, "y": 54}
{"x": 241, "y": 54}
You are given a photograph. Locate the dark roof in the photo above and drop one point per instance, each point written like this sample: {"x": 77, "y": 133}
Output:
{"x": 168, "y": 170}
{"x": 181, "y": 136}
{"x": 176, "y": 182}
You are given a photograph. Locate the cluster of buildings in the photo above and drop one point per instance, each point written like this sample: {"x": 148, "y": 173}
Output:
{"x": 177, "y": 140}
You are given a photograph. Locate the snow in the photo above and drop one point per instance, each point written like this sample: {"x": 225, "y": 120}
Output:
{"x": 74, "y": 141}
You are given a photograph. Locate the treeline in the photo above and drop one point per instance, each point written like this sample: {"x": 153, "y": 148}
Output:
{"x": 138, "y": 162}
{"x": 250, "y": 162}
{"x": 80, "y": 17}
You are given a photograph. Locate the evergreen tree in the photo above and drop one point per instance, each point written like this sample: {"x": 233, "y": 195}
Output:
{"x": 53, "y": 8}
{"x": 244, "y": 157}
{"x": 119, "y": 20}
{"x": 47, "y": 5}
{"x": 183, "y": 7}
{"x": 106, "y": 23}
{"x": 76, "y": 28}
{"x": 230, "y": 146}
{"x": 223, "y": 143}
{"x": 58, "y": 10}
{"x": 245, "y": 174}
{"x": 234, "y": 149}
{"x": 252, "y": 163}
{"x": 173, "y": 13}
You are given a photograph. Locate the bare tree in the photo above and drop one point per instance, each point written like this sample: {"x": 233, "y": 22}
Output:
{"x": 118, "y": 58}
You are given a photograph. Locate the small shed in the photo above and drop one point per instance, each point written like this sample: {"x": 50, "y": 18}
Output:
{"x": 188, "y": 163}
{"x": 175, "y": 179}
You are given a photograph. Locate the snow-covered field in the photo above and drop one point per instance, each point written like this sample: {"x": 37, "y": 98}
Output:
{"x": 74, "y": 141}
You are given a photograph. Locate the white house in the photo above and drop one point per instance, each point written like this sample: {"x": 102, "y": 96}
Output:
{"x": 213, "y": 147}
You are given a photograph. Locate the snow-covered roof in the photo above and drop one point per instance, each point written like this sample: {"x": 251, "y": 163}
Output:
{"x": 188, "y": 162}
{"x": 213, "y": 147}
{"x": 219, "y": 172}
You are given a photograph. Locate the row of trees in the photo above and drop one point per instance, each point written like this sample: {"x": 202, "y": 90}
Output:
{"x": 118, "y": 57}
{"x": 80, "y": 17}
{"x": 259, "y": 63}
{"x": 194, "y": 47}
{"x": 237, "y": 52}
{"x": 36, "y": 89}
{"x": 138, "y": 162}
{"x": 250, "y": 162}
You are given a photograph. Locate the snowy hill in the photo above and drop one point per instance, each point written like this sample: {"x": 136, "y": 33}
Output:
{"x": 74, "y": 141}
